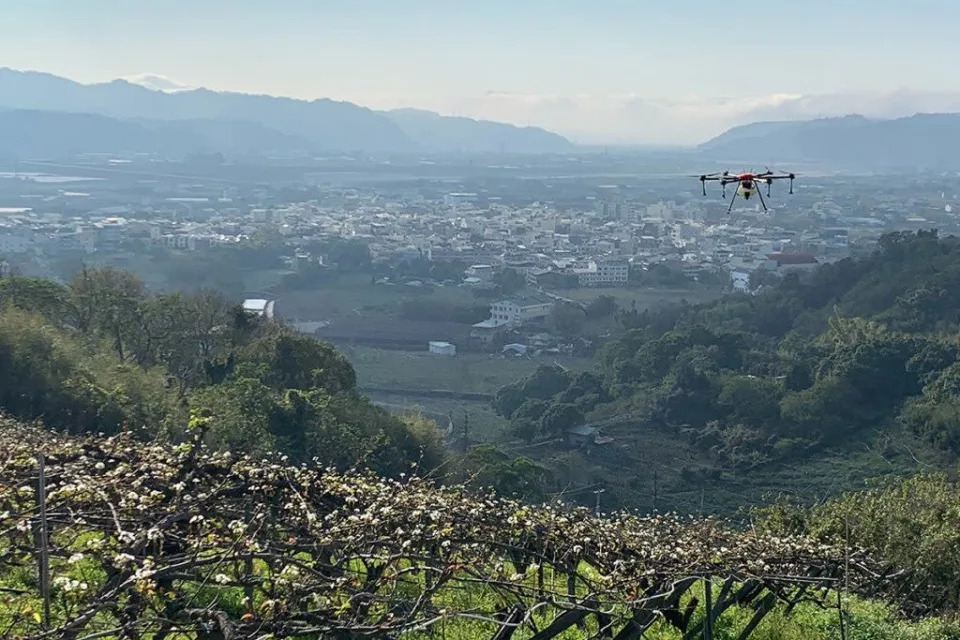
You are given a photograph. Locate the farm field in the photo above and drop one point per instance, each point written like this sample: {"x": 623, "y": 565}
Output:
{"x": 645, "y": 298}
{"x": 353, "y": 296}
{"x": 465, "y": 372}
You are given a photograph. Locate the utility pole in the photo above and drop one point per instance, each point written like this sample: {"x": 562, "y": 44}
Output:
{"x": 597, "y": 493}
{"x": 43, "y": 541}
{"x": 655, "y": 487}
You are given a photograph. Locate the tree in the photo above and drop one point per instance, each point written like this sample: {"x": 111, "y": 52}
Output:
{"x": 509, "y": 281}
{"x": 49, "y": 299}
{"x": 559, "y": 418}
{"x": 525, "y": 429}
{"x": 349, "y": 254}
{"x": 566, "y": 319}
{"x": 46, "y": 373}
{"x": 107, "y": 302}
{"x": 762, "y": 278}
{"x": 544, "y": 383}
{"x": 486, "y": 466}
{"x": 603, "y": 306}
{"x": 750, "y": 400}
{"x": 246, "y": 415}
{"x": 296, "y": 361}
{"x": 508, "y": 399}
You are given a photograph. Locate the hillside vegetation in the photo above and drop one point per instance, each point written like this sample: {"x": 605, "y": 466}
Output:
{"x": 104, "y": 355}
{"x": 750, "y": 384}
{"x": 921, "y": 140}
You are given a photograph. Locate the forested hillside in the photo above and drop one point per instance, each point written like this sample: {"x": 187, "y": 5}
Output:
{"x": 809, "y": 364}
{"x": 218, "y": 476}
{"x": 105, "y": 355}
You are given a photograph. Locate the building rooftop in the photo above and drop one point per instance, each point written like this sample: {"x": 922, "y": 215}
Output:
{"x": 490, "y": 323}
{"x": 255, "y": 305}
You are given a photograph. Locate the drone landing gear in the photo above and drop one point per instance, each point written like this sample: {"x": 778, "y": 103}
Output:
{"x": 760, "y": 195}
{"x": 732, "y": 200}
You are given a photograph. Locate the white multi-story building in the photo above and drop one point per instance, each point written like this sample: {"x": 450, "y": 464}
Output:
{"x": 455, "y": 199}
{"x": 517, "y": 312}
{"x": 173, "y": 241}
{"x": 603, "y": 274}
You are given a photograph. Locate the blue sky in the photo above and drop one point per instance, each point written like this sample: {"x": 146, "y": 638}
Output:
{"x": 495, "y": 58}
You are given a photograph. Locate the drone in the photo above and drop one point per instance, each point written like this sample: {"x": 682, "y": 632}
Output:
{"x": 747, "y": 183}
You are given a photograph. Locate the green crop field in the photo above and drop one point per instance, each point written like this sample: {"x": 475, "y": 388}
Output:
{"x": 353, "y": 295}
{"x": 465, "y": 372}
{"x": 645, "y": 298}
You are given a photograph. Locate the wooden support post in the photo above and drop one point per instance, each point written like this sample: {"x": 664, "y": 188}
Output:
{"x": 655, "y": 608}
{"x": 843, "y": 628}
{"x": 768, "y": 603}
{"x": 248, "y": 566}
{"x": 561, "y": 623}
{"x": 723, "y": 602}
{"x": 604, "y": 625}
{"x": 510, "y": 624}
{"x": 43, "y": 542}
{"x": 708, "y": 609}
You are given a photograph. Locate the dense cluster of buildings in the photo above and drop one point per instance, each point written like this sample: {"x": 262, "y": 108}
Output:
{"x": 585, "y": 236}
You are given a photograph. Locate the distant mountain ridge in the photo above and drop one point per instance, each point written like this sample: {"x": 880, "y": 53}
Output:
{"x": 315, "y": 125}
{"x": 930, "y": 141}
{"x": 28, "y": 133}
{"x": 446, "y": 133}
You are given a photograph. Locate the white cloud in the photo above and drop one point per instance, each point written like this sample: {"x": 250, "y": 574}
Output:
{"x": 157, "y": 82}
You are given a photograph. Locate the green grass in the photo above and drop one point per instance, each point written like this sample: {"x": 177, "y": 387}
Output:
{"x": 862, "y": 619}
{"x": 465, "y": 372}
{"x": 484, "y": 424}
{"x": 352, "y": 295}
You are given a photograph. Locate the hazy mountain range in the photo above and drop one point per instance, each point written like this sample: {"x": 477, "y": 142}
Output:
{"x": 42, "y": 115}
{"x": 922, "y": 141}
{"x": 135, "y": 118}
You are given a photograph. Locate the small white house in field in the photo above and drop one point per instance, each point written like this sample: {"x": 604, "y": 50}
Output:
{"x": 442, "y": 348}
